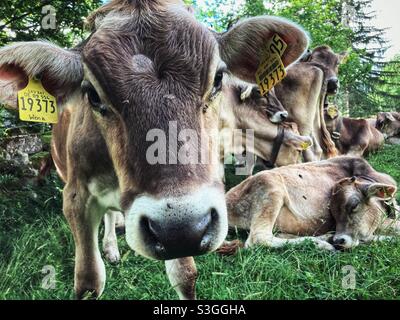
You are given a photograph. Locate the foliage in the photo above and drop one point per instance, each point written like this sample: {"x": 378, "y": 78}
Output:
{"x": 389, "y": 86}
{"x": 22, "y": 20}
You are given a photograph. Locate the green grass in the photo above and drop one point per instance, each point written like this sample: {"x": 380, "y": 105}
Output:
{"x": 33, "y": 234}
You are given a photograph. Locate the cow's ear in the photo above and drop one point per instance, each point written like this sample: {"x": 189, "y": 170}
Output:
{"x": 390, "y": 117}
{"x": 378, "y": 190}
{"x": 307, "y": 56}
{"x": 250, "y": 92}
{"x": 343, "y": 57}
{"x": 242, "y": 47}
{"x": 60, "y": 70}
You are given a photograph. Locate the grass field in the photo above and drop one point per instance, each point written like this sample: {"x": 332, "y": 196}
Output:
{"x": 34, "y": 234}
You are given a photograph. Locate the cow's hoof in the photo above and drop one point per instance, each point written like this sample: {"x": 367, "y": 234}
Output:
{"x": 87, "y": 295}
{"x": 325, "y": 245}
{"x": 230, "y": 248}
{"x": 112, "y": 255}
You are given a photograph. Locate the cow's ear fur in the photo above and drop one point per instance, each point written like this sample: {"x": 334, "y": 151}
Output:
{"x": 343, "y": 57}
{"x": 307, "y": 56}
{"x": 60, "y": 70}
{"x": 379, "y": 190}
{"x": 390, "y": 117}
{"x": 242, "y": 46}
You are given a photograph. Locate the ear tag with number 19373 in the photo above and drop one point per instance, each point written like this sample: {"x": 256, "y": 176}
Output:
{"x": 35, "y": 104}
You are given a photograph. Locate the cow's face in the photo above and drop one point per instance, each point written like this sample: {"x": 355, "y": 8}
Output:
{"x": 152, "y": 82}
{"x": 270, "y": 104}
{"x": 388, "y": 123}
{"x": 357, "y": 208}
{"x": 330, "y": 62}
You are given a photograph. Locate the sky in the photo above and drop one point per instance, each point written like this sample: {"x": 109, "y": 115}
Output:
{"x": 388, "y": 17}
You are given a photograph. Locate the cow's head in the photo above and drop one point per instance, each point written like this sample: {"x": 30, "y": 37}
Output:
{"x": 330, "y": 62}
{"x": 149, "y": 65}
{"x": 389, "y": 124}
{"x": 356, "y": 205}
{"x": 251, "y": 96}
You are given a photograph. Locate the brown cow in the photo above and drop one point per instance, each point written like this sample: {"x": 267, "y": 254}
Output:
{"x": 389, "y": 124}
{"x": 343, "y": 196}
{"x": 148, "y": 69}
{"x": 280, "y": 145}
{"x": 303, "y": 94}
{"x": 353, "y": 137}
{"x": 242, "y": 107}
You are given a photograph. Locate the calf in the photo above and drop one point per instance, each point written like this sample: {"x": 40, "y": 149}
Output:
{"x": 389, "y": 124}
{"x": 353, "y": 137}
{"x": 148, "y": 71}
{"x": 278, "y": 145}
{"x": 303, "y": 93}
{"x": 343, "y": 195}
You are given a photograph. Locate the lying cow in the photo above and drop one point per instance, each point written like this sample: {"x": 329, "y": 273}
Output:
{"x": 148, "y": 64}
{"x": 303, "y": 93}
{"x": 343, "y": 195}
{"x": 353, "y": 137}
{"x": 389, "y": 124}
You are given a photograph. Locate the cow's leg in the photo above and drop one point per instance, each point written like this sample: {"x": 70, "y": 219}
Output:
{"x": 119, "y": 221}
{"x": 261, "y": 231}
{"x": 84, "y": 216}
{"x": 110, "y": 244}
{"x": 314, "y": 153}
{"x": 182, "y": 274}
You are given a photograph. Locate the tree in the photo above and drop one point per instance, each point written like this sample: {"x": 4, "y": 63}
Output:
{"x": 26, "y": 20}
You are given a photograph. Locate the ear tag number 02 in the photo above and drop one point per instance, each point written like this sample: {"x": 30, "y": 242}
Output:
{"x": 35, "y": 104}
{"x": 271, "y": 70}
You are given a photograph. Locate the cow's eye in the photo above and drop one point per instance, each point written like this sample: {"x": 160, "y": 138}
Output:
{"x": 218, "y": 80}
{"x": 354, "y": 205}
{"x": 93, "y": 98}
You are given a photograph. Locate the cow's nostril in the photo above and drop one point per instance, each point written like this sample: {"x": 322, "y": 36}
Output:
{"x": 339, "y": 241}
{"x": 203, "y": 224}
{"x": 284, "y": 115}
{"x": 207, "y": 234}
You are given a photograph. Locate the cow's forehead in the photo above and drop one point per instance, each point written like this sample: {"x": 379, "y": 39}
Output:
{"x": 326, "y": 54}
{"x": 169, "y": 48}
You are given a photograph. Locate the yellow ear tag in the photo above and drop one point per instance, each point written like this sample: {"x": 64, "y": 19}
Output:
{"x": 305, "y": 145}
{"x": 271, "y": 70}
{"x": 332, "y": 111}
{"x": 36, "y": 104}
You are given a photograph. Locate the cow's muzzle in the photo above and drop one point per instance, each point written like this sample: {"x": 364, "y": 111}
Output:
{"x": 176, "y": 227}
{"x": 279, "y": 117}
{"x": 333, "y": 85}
